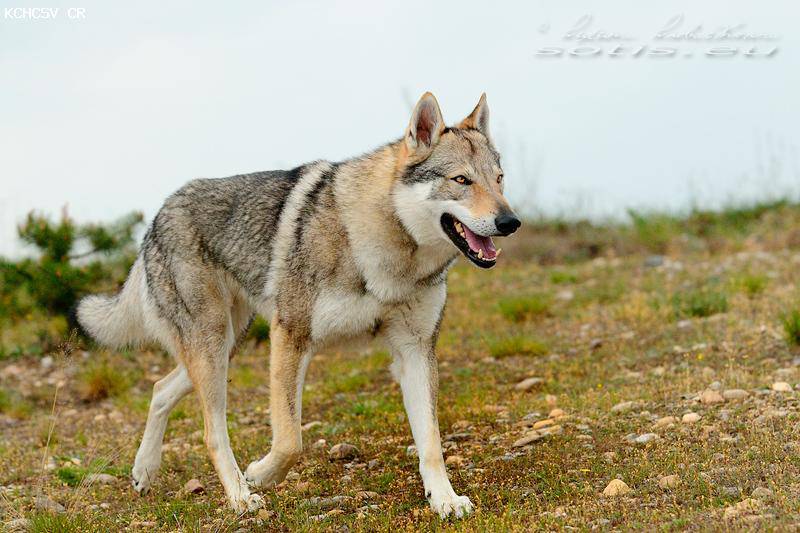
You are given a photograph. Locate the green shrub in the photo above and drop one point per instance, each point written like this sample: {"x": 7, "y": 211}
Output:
{"x": 560, "y": 277}
{"x": 751, "y": 284}
{"x": 699, "y": 303}
{"x": 259, "y": 329}
{"x": 791, "y": 326}
{"x": 516, "y": 345}
{"x": 100, "y": 380}
{"x": 519, "y": 308}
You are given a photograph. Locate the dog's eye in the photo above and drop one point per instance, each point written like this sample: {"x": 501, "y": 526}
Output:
{"x": 461, "y": 180}
{"x": 499, "y": 178}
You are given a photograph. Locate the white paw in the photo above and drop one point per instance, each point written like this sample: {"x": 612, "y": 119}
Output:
{"x": 254, "y": 475}
{"x": 142, "y": 477}
{"x": 251, "y": 502}
{"x": 448, "y": 504}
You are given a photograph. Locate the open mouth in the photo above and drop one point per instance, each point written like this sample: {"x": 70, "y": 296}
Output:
{"x": 478, "y": 249}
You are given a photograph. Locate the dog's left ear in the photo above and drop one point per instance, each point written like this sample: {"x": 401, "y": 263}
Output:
{"x": 426, "y": 125}
{"x": 479, "y": 118}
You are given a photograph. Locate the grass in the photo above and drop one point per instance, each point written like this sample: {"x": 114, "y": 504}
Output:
{"x": 516, "y": 345}
{"x": 520, "y": 308}
{"x": 791, "y": 326}
{"x": 614, "y": 338}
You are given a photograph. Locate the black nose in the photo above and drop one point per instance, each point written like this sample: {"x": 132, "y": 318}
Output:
{"x": 507, "y": 224}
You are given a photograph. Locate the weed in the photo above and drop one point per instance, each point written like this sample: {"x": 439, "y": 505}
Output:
{"x": 699, "y": 303}
{"x": 516, "y": 345}
{"x": 751, "y": 284}
{"x": 100, "y": 380}
{"x": 791, "y": 326}
{"x": 519, "y": 308}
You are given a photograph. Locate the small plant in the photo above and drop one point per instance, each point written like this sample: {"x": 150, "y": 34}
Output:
{"x": 100, "y": 380}
{"x": 752, "y": 284}
{"x": 791, "y": 326}
{"x": 560, "y": 277}
{"x": 519, "y": 308}
{"x": 516, "y": 345}
{"x": 259, "y": 330}
{"x": 699, "y": 303}
{"x": 13, "y": 405}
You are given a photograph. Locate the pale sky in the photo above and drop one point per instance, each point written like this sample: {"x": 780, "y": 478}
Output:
{"x": 112, "y": 112}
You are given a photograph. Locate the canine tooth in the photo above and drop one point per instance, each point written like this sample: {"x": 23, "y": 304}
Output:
{"x": 497, "y": 253}
{"x": 480, "y": 254}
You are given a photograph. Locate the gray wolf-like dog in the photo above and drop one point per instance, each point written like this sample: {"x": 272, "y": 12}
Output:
{"x": 329, "y": 252}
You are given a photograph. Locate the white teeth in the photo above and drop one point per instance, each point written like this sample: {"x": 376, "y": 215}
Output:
{"x": 497, "y": 253}
{"x": 480, "y": 254}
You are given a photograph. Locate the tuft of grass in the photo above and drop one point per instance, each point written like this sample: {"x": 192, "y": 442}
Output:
{"x": 562, "y": 277}
{"x": 751, "y": 284}
{"x": 699, "y": 303}
{"x": 791, "y": 326}
{"x": 516, "y": 345}
{"x": 100, "y": 380}
{"x": 520, "y": 308}
{"x": 13, "y": 405}
{"x": 259, "y": 330}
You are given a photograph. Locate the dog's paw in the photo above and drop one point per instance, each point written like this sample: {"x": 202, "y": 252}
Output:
{"x": 142, "y": 478}
{"x": 450, "y": 504}
{"x": 249, "y": 503}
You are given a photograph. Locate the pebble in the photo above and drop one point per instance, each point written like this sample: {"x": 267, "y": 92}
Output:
{"x": 343, "y": 451}
{"x": 454, "y": 460}
{"x": 325, "y": 504}
{"x": 762, "y": 493}
{"x": 735, "y": 394}
{"x": 690, "y": 418}
{"x": 320, "y": 444}
{"x": 711, "y": 396}
{"x": 781, "y": 386}
{"x": 193, "y": 486}
{"x": 101, "y": 479}
{"x": 528, "y": 384}
{"x": 645, "y": 438}
{"x": 716, "y": 385}
{"x": 411, "y": 451}
{"x": 557, "y": 413}
{"x": 669, "y": 482}
{"x": 543, "y": 423}
{"x": 311, "y": 425}
{"x": 616, "y": 487}
{"x": 528, "y": 438}
{"x": 47, "y": 362}
{"x": 551, "y": 400}
{"x": 43, "y": 503}
{"x": 744, "y": 507}
{"x": 18, "y": 525}
{"x": 623, "y": 407}
{"x": 665, "y": 421}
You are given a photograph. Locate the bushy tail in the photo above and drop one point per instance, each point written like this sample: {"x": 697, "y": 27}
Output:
{"x": 118, "y": 320}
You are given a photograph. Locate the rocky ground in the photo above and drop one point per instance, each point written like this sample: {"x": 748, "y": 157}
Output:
{"x": 643, "y": 392}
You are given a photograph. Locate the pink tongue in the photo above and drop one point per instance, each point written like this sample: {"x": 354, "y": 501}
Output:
{"x": 477, "y": 242}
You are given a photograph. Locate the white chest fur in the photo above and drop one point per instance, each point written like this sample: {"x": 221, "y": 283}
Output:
{"x": 338, "y": 314}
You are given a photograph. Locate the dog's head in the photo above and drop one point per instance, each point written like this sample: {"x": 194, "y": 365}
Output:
{"x": 450, "y": 187}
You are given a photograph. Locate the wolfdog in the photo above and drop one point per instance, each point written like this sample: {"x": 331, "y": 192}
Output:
{"x": 329, "y": 252}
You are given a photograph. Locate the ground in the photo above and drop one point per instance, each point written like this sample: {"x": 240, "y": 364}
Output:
{"x": 617, "y": 344}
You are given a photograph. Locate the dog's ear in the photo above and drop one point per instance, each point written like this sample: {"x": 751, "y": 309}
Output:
{"x": 426, "y": 125}
{"x": 479, "y": 118}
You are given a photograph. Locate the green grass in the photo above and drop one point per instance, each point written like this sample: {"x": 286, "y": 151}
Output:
{"x": 699, "y": 303}
{"x": 520, "y": 308}
{"x": 751, "y": 284}
{"x": 102, "y": 379}
{"x": 516, "y": 345}
{"x": 790, "y": 321}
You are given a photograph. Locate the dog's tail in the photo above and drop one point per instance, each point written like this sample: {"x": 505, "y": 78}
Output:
{"x": 118, "y": 320}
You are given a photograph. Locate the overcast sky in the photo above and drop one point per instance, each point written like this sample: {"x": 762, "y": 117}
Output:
{"x": 112, "y": 112}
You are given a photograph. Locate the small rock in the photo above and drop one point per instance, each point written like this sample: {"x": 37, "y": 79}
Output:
{"x": 325, "y": 504}
{"x": 665, "y": 422}
{"x": 43, "y": 503}
{"x": 543, "y": 423}
{"x": 595, "y": 344}
{"x": 143, "y": 524}
{"x": 454, "y": 460}
{"x": 343, "y": 451}
{"x": 684, "y": 324}
{"x": 311, "y": 425}
{"x": 762, "y": 493}
{"x": 528, "y": 384}
{"x": 653, "y": 261}
{"x": 645, "y": 438}
{"x": 557, "y": 413}
{"x": 364, "y": 495}
{"x": 616, "y": 487}
{"x": 411, "y": 451}
{"x": 18, "y": 525}
{"x": 529, "y": 438}
{"x": 735, "y": 394}
{"x": 193, "y": 486}
{"x": 690, "y": 418}
{"x": 781, "y": 386}
{"x": 320, "y": 444}
{"x": 551, "y": 400}
{"x": 101, "y": 479}
{"x": 711, "y": 396}
{"x": 716, "y": 385}
{"x": 47, "y": 362}
{"x": 669, "y": 482}
{"x": 623, "y": 407}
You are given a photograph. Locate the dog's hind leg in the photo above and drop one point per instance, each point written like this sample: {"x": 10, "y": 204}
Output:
{"x": 167, "y": 392}
{"x": 206, "y": 356}
{"x": 288, "y": 363}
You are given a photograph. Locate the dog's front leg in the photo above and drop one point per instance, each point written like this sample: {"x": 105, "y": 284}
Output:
{"x": 415, "y": 367}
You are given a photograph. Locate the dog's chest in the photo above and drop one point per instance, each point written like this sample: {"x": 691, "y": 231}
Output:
{"x": 340, "y": 314}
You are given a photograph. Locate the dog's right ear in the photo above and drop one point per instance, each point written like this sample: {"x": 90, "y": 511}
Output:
{"x": 426, "y": 125}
